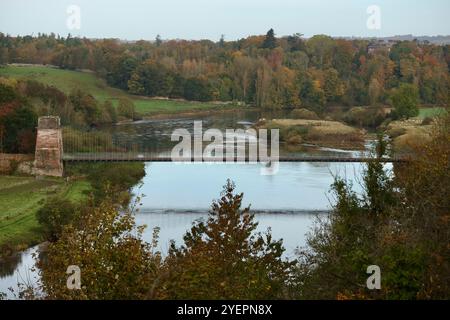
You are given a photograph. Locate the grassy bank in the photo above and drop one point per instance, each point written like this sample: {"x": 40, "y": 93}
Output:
{"x": 67, "y": 81}
{"x": 430, "y": 112}
{"x": 321, "y": 132}
{"x": 406, "y": 134}
{"x": 21, "y": 198}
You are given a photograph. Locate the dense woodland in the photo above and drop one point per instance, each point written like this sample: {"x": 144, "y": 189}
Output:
{"x": 263, "y": 71}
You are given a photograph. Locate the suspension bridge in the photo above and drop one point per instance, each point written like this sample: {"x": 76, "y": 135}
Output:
{"x": 53, "y": 149}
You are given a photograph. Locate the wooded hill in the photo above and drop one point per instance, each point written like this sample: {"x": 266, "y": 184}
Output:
{"x": 264, "y": 71}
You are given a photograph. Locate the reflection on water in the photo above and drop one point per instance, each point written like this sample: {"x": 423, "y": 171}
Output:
{"x": 291, "y": 227}
{"x": 177, "y": 194}
{"x": 9, "y": 264}
{"x": 192, "y": 186}
{"x": 23, "y": 272}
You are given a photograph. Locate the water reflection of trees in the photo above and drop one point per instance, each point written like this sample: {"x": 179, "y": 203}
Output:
{"x": 9, "y": 264}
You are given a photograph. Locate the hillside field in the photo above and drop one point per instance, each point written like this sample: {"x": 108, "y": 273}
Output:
{"x": 67, "y": 80}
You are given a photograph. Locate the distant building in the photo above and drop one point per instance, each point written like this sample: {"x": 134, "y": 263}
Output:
{"x": 380, "y": 45}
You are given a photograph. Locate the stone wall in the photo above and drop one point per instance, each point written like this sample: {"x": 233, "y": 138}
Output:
{"x": 16, "y": 163}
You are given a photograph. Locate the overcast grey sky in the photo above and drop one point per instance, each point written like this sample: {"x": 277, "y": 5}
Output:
{"x": 208, "y": 19}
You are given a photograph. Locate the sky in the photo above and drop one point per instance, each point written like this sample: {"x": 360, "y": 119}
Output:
{"x": 209, "y": 19}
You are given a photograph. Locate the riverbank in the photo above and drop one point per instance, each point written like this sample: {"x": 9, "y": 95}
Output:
{"x": 194, "y": 112}
{"x": 324, "y": 133}
{"x": 408, "y": 134}
{"x": 20, "y": 199}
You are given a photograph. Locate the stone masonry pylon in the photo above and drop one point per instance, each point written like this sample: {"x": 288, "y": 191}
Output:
{"x": 49, "y": 148}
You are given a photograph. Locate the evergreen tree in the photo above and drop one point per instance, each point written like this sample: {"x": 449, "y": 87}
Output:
{"x": 270, "y": 42}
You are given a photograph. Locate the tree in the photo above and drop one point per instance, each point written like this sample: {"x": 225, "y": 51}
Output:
{"x": 399, "y": 222}
{"x": 158, "y": 40}
{"x": 121, "y": 73}
{"x": 344, "y": 244}
{"x": 107, "y": 246}
{"x": 375, "y": 91}
{"x": 332, "y": 86}
{"x": 270, "y": 42}
{"x": 405, "y": 100}
{"x": 54, "y": 215}
{"x": 109, "y": 112}
{"x": 17, "y": 122}
{"x": 86, "y": 104}
{"x": 223, "y": 258}
{"x": 127, "y": 109}
{"x": 222, "y": 41}
{"x": 197, "y": 90}
{"x": 118, "y": 179}
{"x": 295, "y": 42}
{"x": 264, "y": 76}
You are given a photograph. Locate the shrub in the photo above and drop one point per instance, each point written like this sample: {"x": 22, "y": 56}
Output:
{"x": 304, "y": 114}
{"x": 119, "y": 178}
{"x": 127, "y": 109}
{"x": 427, "y": 121}
{"x": 54, "y": 215}
{"x": 365, "y": 116}
{"x": 107, "y": 245}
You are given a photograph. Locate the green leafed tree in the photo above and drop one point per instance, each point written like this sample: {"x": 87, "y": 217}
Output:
{"x": 405, "y": 101}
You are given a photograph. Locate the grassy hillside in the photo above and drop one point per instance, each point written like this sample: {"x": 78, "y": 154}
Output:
{"x": 21, "y": 197}
{"x": 67, "y": 80}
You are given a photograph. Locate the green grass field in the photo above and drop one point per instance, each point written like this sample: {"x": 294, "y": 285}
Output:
{"x": 67, "y": 80}
{"x": 430, "y": 112}
{"x": 21, "y": 197}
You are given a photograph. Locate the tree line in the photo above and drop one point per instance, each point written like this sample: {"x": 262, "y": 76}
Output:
{"x": 264, "y": 71}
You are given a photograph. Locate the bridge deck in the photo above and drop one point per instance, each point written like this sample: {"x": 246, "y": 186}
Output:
{"x": 127, "y": 157}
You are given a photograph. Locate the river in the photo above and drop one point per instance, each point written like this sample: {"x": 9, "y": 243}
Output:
{"x": 177, "y": 194}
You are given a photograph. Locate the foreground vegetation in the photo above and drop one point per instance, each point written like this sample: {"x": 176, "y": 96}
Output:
{"x": 400, "y": 224}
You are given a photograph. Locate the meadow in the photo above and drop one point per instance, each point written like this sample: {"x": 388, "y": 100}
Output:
{"x": 67, "y": 81}
{"x": 430, "y": 112}
{"x": 21, "y": 198}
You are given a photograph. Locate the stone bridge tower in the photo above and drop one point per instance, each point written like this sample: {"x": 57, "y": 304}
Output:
{"x": 49, "y": 148}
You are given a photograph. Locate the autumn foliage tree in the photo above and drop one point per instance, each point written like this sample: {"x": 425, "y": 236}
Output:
{"x": 107, "y": 246}
{"x": 399, "y": 223}
{"x": 17, "y": 122}
{"x": 224, "y": 258}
